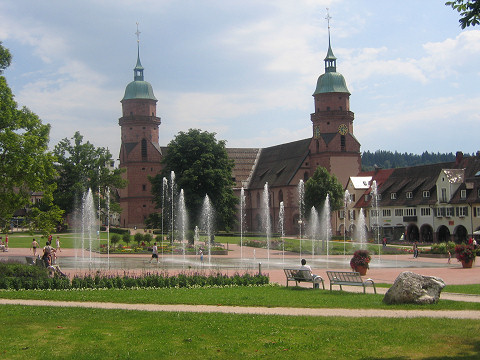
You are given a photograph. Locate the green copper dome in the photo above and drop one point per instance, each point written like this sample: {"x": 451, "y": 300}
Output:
{"x": 331, "y": 82}
{"x": 138, "y": 88}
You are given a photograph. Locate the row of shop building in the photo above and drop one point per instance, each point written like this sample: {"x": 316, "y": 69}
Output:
{"x": 427, "y": 203}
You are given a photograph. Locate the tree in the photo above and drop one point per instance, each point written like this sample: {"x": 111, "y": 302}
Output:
{"x": 115, "y": 239}
{"x": 317, "y": 188}
{"x": 202, "y": 167}
{"x": 26, "y": 165}
{"x": 469, "y": 11}
{"x": 126, "y": 238}
{"x": 82, "y": 166}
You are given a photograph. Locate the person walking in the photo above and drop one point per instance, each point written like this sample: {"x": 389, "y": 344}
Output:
{"x": 34, "y": 247}
{"x": 57, "y": 247}
{"x": 154, "y": 252}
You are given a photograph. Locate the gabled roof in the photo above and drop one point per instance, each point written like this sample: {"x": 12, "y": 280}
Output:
{"x": 278, "y": 164}
{"x": 245, "y": 160}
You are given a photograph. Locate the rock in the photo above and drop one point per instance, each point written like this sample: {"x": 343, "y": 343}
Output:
{"x": 411, "y": 288}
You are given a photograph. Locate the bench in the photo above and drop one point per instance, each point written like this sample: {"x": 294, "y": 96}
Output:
{"x": 298, "y": 275}
{"x": 351, "y": 278}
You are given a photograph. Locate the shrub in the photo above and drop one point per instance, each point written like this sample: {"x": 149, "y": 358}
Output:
{"x": 138, "y": 238}
{"x": 126, "y": 238}
{"x": 115, "y": 239}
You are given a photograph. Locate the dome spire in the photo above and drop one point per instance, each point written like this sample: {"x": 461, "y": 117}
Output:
{"x": 330, "y": 59}
{"x": 138, "y": 70}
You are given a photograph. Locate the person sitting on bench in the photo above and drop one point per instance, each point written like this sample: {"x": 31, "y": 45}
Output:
{"x": 307, "y": 267}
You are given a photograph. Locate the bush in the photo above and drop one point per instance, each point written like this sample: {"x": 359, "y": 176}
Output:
{"x": 21, "y": 276}
{"x": 138, "y": 238}
{"x": 119, "y": 231}
{"x": 126, "y": 238}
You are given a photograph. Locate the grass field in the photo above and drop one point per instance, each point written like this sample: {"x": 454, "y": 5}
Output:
{"x": 75, "y": 333}
{"x": 78, "y": 333}
{"x": 268, "y": 296}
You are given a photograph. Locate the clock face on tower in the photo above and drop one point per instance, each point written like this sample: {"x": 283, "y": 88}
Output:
{"x": 343, "y": 129}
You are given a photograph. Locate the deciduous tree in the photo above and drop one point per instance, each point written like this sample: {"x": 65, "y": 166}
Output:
{"x": 202, "y": 167}
{"x": 469, "y": 11}
{"x": 81, "y": 166}
{"x": 317, "y": 188}
{"x": 26, "y": 165}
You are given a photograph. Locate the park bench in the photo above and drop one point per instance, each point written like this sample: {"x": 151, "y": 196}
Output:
{"x": 350, "y": 278}
{"x": 298, "y": 275}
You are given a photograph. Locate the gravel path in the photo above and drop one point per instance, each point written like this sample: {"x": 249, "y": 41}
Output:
{"x": 450, "y": 314}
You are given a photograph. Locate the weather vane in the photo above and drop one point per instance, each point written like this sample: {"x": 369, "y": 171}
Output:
{"x": 138, "y": 34}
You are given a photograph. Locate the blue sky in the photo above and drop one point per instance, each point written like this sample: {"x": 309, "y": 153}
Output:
{"x": 247, "y": 69}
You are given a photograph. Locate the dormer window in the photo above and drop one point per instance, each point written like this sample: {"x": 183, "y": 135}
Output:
{"x": 463, "y": 194}
{"x": 393, "y": 196}
{"x": 426, "y": 194}
{"x": 409, "y": 195}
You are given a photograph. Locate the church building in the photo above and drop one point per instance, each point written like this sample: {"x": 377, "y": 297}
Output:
{"x": 332, "y": 145}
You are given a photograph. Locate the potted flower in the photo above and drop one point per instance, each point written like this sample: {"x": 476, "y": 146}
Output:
{"x": 360, "y": 260}
{"x": 465, "y": 254}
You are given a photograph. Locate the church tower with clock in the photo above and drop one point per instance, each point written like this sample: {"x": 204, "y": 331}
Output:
{"x": 333, "y": 144}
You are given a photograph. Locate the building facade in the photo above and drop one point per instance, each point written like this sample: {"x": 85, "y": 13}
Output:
{"x": 277, "y": 169}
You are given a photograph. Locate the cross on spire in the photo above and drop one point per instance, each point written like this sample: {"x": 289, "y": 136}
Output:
{"x": 137, "y": 33}
{"x": 328, "y": 17}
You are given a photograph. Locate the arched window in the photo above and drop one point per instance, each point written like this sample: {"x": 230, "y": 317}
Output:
{"x": 342, "y": 143}
{"x": 318, "y": 146}
{"x": 144, "y": 149}
{"x": 305, "y": 176}
{"x": 280, "y": 196}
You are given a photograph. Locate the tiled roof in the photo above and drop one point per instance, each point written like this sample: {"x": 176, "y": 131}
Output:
{"x": 245, "y": 160}
{"x": 278, "y": 164}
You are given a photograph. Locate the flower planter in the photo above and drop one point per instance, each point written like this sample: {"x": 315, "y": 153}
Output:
{"x": 467, "y": 264}
{"x": 361, "y": 269}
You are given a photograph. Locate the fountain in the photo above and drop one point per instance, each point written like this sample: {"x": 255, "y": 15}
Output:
{"x": 374, "y": 193}
{"x": 172, "y": 192}
{"x": 206, "y": 220}
{"x": 266, "y": 218}
{"x": 346, "y": 203}
{"x": 164, "y": 195}
{"x": 301, "y": 205}
{"x": 313, "y": 228}
{"x": 361, "y": 231}
{"x": 281, "y": 227}
{"x": 242, "y": 220}
{"x": 182, "y": 222}
{"x": 326, "y": 225}
{"x": 85, "y": 218}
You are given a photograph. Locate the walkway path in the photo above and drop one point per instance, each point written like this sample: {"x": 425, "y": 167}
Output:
{"x": 450, "y": 314}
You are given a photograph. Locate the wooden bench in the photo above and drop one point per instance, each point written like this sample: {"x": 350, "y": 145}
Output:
{"x": 298, "y": 275}
{"x": 351, "y": 278}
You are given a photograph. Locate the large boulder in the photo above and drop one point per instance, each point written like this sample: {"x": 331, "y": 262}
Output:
{"x": 411, "y": 288}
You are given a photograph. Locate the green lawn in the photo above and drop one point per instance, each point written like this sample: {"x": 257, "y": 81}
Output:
{"x": 77, "y": 333}
{"x": 268, "y": 296}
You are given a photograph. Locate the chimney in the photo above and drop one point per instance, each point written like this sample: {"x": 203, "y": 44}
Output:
{"x": 458, "y": 157}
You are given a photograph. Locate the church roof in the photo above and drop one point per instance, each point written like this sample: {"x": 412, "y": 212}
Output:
{"x": 331, "y": 82}
{"x": 278, "y": 164}
{"x": 245, "y": 160}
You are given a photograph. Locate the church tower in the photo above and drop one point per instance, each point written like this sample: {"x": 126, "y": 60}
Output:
{"x": 140, "y": 153}
{"x": 333, "y": 144}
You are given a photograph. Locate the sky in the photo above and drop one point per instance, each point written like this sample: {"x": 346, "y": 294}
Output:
{"x": 247, "y": 70}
